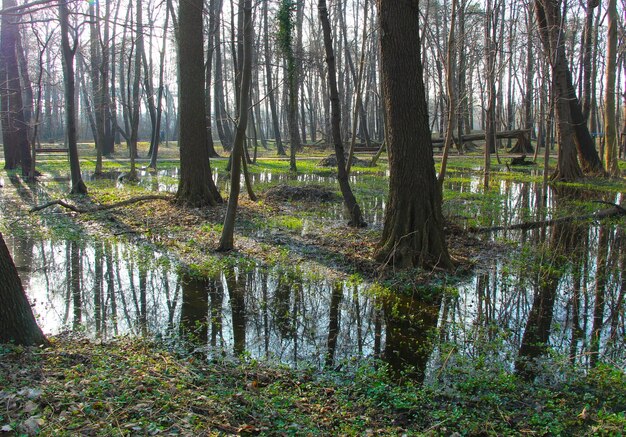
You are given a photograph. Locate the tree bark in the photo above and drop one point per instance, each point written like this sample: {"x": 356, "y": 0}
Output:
{"x": 610, "y": 130}
{"x": 68, "y": 52}
{"x": 350, "y": 202}
{"x": 14, "y": 125}
{"x": 413, "y": 231}
{"x": 196, "y": 187}
{"x": 226, "y": 240}
{"x": 574, "y": 137}
{"x": 17, "y": 322}
{"x": 270, "y": 85}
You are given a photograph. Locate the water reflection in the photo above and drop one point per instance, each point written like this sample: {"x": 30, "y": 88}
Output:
{"x": 560, "y": 289}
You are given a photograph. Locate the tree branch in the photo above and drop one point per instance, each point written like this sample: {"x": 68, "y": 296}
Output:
{"x": 101, "y": 207}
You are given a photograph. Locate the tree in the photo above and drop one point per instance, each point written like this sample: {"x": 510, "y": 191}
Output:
{"x": 610, "y": 130}
{"x": 285, "y": 41}
{"x": 342, "y": 172}
{"x": 196, "y": 187}
{"x": 270, "y": 84}
{"x": 17, "y": 322}
{"x": 14, "y": 124}
{"x": 574, "y": 137}
{"x": 226, "y": 241}
{"x": 69, "y": 80}
{"x": 413, "y": 231}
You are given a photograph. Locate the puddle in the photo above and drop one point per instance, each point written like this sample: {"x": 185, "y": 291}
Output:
{"x": 560, "y": 288}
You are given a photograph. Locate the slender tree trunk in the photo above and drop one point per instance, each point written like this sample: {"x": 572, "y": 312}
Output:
{"x": 221, "y": 116}
{"x": 286, "y": 33}
{"x": 68, "y": 52}
{"x": 610, "y": 130}
{"x": 213, "y": 24}
{"x": 270, "y": 84}
{"x": 452, "y": 97}
{"x": 342, "y": 173}
{"x": 226, "y": 240}
{"x": 156, "y": 132}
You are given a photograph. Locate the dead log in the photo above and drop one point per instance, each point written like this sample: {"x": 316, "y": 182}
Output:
{"x": 480, "y": 136}
{"x": 98, "y": 208}
{"x": 614, "y": 211}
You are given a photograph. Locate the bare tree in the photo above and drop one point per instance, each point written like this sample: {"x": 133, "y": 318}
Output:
{"x": 342, "y": 172}
{"x": 68, "y": 53}
{"x": 226, "y": 240}
{"x": 610, "y": 129}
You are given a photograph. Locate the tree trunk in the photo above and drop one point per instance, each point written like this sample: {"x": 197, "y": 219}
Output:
{"x": 68, "y": 52}
{"x": 196, "y": 187}
{"x": 17, "y": 322}
{"x": 452, "y": 96}
{"x": 14, "y": 125}
{"x": 270, "y": 85}
{"x": 213, "y": 24}
{"x": 413, "y": 230}
{"x": 342, "y": 173}
{"x": 286, "y": 34}
{"x": 610, "y": 130}
{"x": 155, "y": 141}
{"x": 226, "y": 240}
{"x": 221, "y": 116}
{"x": 574, "y": 135}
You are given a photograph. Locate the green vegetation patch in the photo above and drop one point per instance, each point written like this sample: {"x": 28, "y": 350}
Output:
{"x": 138, "y": 387}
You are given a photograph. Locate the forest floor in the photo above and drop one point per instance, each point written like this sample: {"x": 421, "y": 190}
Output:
{"x": 136, "y": 387}
{"x": 140, "y": 387}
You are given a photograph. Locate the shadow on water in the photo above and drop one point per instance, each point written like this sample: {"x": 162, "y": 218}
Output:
{"x": 557, "y": 289}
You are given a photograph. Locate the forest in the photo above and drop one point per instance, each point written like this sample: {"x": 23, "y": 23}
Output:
{"x": 312, "y": 217}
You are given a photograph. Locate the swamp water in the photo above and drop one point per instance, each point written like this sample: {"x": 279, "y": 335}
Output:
{"x": 558, "y": 288}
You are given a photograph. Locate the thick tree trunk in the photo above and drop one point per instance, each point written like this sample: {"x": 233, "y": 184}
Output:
{"x": 17, "y": 322}
{"x": 14, "y": 124}
{"x": 342, "y": 173}
{"x": 413, "y": 230}
{"x": 196, "y": 187}
{"x": 573, "y": 133}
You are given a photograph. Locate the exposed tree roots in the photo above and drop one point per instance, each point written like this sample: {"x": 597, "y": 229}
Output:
{"x": 101, "y": 207}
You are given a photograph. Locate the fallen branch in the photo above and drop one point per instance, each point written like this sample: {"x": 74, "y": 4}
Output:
{"x": 101, "y": 207}
{"x": 615, "y": 211}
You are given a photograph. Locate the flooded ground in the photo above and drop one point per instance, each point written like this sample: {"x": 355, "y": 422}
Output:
{"x": 557, "y": 289}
